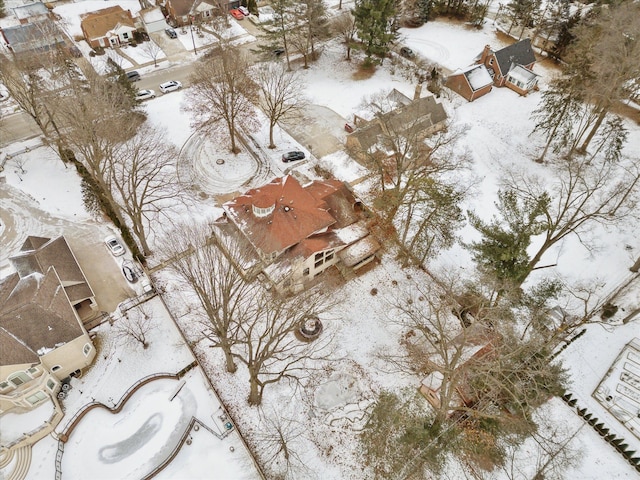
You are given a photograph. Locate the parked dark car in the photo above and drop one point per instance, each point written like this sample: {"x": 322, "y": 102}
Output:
{"x": 133, "y": 76}
{"x": 129, "y": 273}
{"x": 406, "y": 52}
{"x": 171, "y": 33}
{"x": 293, "y": 156}
{"x": 278, "y": 51}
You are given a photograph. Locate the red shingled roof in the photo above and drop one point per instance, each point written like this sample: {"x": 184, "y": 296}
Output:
{"x": 299, "y": 213}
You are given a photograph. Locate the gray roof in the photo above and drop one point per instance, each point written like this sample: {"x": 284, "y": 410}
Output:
{"x": 34, "y": 9}
{"x": 43, "y": 35}
{"x": 412, "y": 118}
{"x": 38, "y": 254}
{"x": 520, "y": 53}
{"x": 35, "y": 314}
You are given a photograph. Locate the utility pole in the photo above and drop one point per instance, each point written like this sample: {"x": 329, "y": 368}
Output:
{"x": 193, "y": 40}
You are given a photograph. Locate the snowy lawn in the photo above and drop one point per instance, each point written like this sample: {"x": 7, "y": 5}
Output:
{"x": 496, "y": 129}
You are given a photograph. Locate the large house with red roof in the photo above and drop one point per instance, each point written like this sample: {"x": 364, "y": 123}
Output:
{"x": 296, "y": 232}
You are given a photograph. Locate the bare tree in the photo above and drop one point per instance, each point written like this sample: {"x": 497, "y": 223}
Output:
{"x": 223, "y": 91}
{"x": 278, "y": 445}
{"x": 93, "y": 137}
{"x": 152, "y": 50}
{"x": 206, "y": 266}
{"x": 135, "y": 325}
{"x": 281, "y": 94}
{"x": 345, "y": 27}
{"x": 142, "y": 172}
{"x": 415, "y": 190}
{"x": 269, "y": 347}
{"x": 585, "y": 193}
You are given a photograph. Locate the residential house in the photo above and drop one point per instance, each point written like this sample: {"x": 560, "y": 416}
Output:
{"x": 295, "y": 232}
{"x": 31, "y": 12}
{"x": 185, "y": 12}
{"x": 511, "y": 66}
{"x": 152, "y": 20}
{"x": 42, "y": 337}
{"x": 33, "y": 37}
{"x": 475, "y": 349}
{"x": 109, "y": 27}
{"x": 420, "y": 118}
{"x": 470, "y": 82}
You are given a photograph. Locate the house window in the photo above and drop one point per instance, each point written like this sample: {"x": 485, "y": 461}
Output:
{"x": 51, "y": 384}
{"x": 318, "y": 263}
{"x": 125, "y": 35}
{"x": 491, "y": 61}
{"x": 56, "y": 368}
{"x": 19, "y": 378}
{"x": 32, "y": 371}
{"x": 5, "y": 385}
{"x": 86, "y": 349}
{"x": 319, "y": 256}
{"x": 329, "y": 256}
{"x": 305, "y": 271}
{"x": 37, "y": 398}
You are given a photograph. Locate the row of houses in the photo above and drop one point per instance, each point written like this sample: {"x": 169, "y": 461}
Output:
{"x": 37, "y": 29}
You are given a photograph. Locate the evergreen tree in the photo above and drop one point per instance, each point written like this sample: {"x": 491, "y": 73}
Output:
{"x": 376, "y": 26}
{"x": 502, "y": 251}
{"x": 424, "y": 10}
{"x": 3, "y": 13}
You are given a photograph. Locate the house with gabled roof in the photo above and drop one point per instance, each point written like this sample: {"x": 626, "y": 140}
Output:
{"x": 30, "y": 12}
{"x": 42, "y": 337}
{"x": 109, "y": 27}
{"x": 296, "y": 232}
{"x": 470, "y": 82}
{"x": 185, "y": 12}
{"x": 511, "y": 66}
{"x": 418, "y": 118}
{"x": 34, "y": 36}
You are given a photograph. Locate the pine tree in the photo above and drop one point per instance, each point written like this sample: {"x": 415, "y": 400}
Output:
{"x": 3, "y": 13}
{"x": 376, "y": 25}
{"x": 502, "y": 251}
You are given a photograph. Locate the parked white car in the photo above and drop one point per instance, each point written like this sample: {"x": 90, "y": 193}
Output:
{"x": 170, "y": 86}
{"x": 114, "y": 246}
{"x": 145, "y": 95}
{"x": 244, "y": 11}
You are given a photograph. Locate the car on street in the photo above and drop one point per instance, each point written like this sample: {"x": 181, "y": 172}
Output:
{"x": 133, "y": 76}
{"x": 244, "y": 11}
{"x": 171, "y": 33}
{"x": 114, "y": 246}
{"x": 170, "y": 86}
{"x": 145, "y": 95}
{"x": 406, "y": 52}
{"x": 129, "y": 272}
{"x": 293, "y": 156}
{"x": 237, "y": 14}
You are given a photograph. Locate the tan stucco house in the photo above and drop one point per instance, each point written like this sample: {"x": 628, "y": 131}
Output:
{"x": 42, "y": 338}
{"x": 296, "y": 232}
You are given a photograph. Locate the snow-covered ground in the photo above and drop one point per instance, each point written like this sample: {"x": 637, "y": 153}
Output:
{"x": 497, "y": 129}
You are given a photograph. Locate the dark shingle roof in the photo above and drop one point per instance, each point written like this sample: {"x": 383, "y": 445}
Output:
{"x": 520, "y": 53}
{"x": 38, "y": 254}
{"x": 35, "y": 313}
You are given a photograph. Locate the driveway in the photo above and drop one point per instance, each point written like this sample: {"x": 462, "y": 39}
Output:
{"x": 319, "y": 129}
{"x": 21, "y": 216}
